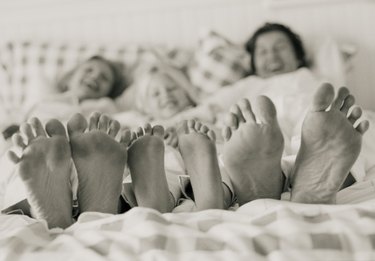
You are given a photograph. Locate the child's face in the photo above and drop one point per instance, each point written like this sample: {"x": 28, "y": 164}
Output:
{"x": 91, "y": 80}
{"x": 274, "y": 54}
{"x": 166, "y": 98}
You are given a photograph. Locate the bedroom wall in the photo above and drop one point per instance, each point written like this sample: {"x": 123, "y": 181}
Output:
{"x": 178, "y": 22}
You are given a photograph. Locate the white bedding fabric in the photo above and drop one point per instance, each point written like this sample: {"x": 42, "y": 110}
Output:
{"x": 260, "y": 230}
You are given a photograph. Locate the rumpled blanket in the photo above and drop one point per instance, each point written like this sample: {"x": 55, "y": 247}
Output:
{"x": 263, "y": 229}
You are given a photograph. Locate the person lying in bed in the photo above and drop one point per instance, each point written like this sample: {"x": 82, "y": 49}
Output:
{"x": 90, "y": 86}
{"x": 252, "y": 153}
{"x": 159, "y": 93}
{"x": 279, "y": 71}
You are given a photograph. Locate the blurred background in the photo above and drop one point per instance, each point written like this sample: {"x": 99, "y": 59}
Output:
{"x": 178, "y": 23}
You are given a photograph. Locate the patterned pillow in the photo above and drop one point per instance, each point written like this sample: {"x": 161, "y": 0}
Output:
{"x": 332, "y": 60}
{"x": 217, "y": 62}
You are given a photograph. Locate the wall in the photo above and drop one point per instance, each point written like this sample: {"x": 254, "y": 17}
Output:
{"x": 177, "y": 22}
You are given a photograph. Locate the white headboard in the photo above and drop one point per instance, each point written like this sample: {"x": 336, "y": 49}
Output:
{"x": 178, "y": 22}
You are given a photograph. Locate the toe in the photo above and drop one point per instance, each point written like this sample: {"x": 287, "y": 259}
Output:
{"x": 55, "y": 128}
{"x": 204, "y": 129}
{"x": 235, "y": 109}
{"x": 18, "y": 141}
{"x": 148, "y": 129}
{"x": 190, "y": 126}
{"x": 231, "y": 121}
{"x": 226, "y": 133}
{"x": 212, "y": 135}
{"x": 26, "y": 130}
{"x": 342, "y": 94}
{"x": 103, "y": 123}
{"x": 77, "y": 125}
{"x": 355, "y": 115}
{"x": 363, "y": 126}
{"x": 114, "y": 128}
{"x": 246, "y": 110}
{"x": 13, "y": 157}
{"x": 158, "y": 131}
{"x": 94, "y": 120}
{"x": 126, "y": 137}
{"x": 38, "y": 127}
{"x": 323, "y": 97}
{"x": 267, "y": 110}
{"x": 348, "y": 103}
{"x": 140, "y": 132}
{"x": 198, "y": 125}
{"x": 133, "y": 136}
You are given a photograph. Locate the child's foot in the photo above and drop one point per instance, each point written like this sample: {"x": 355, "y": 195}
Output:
{"x": 330, "y": 145}
{"x": 45, "y": 168}
{"x": 146, "y": 164}
{"x": 252, "y": 152}
{"x": 100, "y": 162}
{"x": 198, "y": 150}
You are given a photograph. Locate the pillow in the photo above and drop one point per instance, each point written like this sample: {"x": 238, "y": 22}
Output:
{"x": 217, "y": 62}
{"x": 331, "y": 60}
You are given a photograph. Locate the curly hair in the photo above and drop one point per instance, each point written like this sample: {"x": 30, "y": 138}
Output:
{"x": 294, "y": 38}
{"x": 119, "y": 82}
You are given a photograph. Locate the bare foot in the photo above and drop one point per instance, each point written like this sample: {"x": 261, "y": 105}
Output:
{"x": 330, "y": 145}
{"x": 198, "y": 150}
{"x": 252, "y": 151}
{"x": 45, "y": 168}
{"x": 100, "y": 162}
{"x": 146, "y": 164}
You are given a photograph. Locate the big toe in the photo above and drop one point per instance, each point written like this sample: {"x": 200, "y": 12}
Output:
{"x": 77, "y": 125}
{"x": 323, "y": 97}
{"x": 55, "y": 128}
{"x": 266, "y": 110}
{"x": 158, "y": 131}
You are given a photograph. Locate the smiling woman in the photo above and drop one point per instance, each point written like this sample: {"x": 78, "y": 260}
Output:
{"x": 275, "y": 49}
{"x": 95, "y": 78}
{"x": 91, "y": 86}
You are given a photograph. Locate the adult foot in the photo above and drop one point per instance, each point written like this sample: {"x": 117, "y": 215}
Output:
{"x": 100, "y": 162}
{"x": 196, "y": 143}
{"x": 45, "y": 167}
{"x": 252, "y": 151}
{"x": 330, "y": 145}
{"x": 146, "y": 165}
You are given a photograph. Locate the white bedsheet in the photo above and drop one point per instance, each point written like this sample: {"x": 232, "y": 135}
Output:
{"x": 260, "y": 230}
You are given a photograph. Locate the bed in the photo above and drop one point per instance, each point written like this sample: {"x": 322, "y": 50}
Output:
{"x": 260, "y": 230}
{"x": 46, "y": 45}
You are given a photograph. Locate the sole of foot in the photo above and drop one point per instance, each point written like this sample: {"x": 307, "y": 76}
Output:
{"x": 198, "y": 150}
{"x": 146, "y": 165}
{"x": 252, "y": 150}
{"x": 100, "y": 162}
{"x": 45, "y": 169}
{"x": 330, "y": 144}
